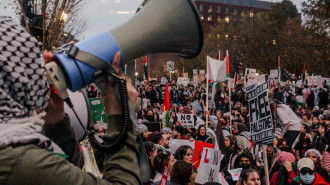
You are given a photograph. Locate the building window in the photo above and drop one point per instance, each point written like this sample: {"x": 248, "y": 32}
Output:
{"x": 201, "y": 11}
{"x": 209, "y": 12}
{"x": 218, "y": 14}
{"x": 227, "y": 19}
{"x": 243, "y": 12}
{"x": 235, "y": 11}
{"x": 227, "y": 11}
{"x": 251, "y": 13}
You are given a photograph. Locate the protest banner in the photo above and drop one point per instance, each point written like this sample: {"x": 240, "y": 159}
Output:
{"x": 251, "y": 79}
{"x": 153, "y": 126}
{"x": 235, "y": 173}
{"x": 199, "y": 145}
{"x": 97, "y": 110}
{"x": 261, "y": 123}
{"x": 261, "y": 79}
{"x": 196, "y": 106}
{"x": 163, "y": 80}
{"x": 312, "y": 80}
{"x": 273, "y": 73}
{"x": 208, "y": 170}
{"x": 180, "y": 142}
{"x": 186, "y": 120}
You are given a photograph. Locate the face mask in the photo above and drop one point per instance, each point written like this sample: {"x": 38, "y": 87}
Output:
{"x": 150, "y": 118}
{"x": 307, "y": 179}
{"x": 245, "y": 166}
{"x": 286, "y": 149}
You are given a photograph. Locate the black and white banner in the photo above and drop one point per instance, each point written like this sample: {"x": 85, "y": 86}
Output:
{"x": 261, "y": 123}
{"x": 186, "y": 120}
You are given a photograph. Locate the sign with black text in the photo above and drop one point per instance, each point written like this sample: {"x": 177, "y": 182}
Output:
{"x": 261, "y": 123}
{"x": 186, "y": 120}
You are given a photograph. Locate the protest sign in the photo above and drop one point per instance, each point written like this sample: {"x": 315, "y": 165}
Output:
{"x": 261, "y": 123}
{"x": 163, "y": 80}
{"x": 312, "y": 80}
{"x": 97, "y": 110}
{"x": 186, "y": 120}
{"x": 152, "y": 79}
{"x": 199, "y": 145}
{"x": 153, "y": 126}
{"x": 202, "y": 72}
{"x": 196, "y": 106}
{"x": 186, "y": 75}
{"x": 170, "y": 66}
{"x": 235, "y": 173}
{"x": 183, "y": 81}
{"x": 273, "y": 73}
{"x": 261, "y": 79}
{"x": 222, "y": 180}
{"x": 180, "y": 142}
{"x": 201, "y": 78}
{"x": 211, "y": 104}
{"x": 145, "y": 102}
{"x": 208, "y": 170}
{"x": 250, "y": 79}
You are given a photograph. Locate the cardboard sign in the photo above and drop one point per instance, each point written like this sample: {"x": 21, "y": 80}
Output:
{"x": 261, "y": 79}
{"x": 208, "y": 170}
{"x": 145, "y": 101}
{"x": 273, "y": 73}
{"x": 251, "y": 79}
{"x": 199, "y": 145}
{"x": 163, "y": 80}
{"x": 261, "y": 122}
{"x": 186, "y": 120}
{"x": 235, "y": 173}
{"x": 97, "y": 110}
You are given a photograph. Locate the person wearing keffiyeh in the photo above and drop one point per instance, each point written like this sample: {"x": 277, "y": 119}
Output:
{"x": 37, "y": 142}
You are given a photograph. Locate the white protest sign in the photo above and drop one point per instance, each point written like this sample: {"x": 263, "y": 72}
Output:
{"x": 261, "y": 122}
{"x": 186, "y": 120}
{"x": 251, "y": 79}
{"x": 222, "y": 180}
{"x": 312, "y": 80}
{"x": 163, "y": 80}
{"x": 146, "y": 101}
{"x": 231, "y": 82}
{"x": 208, "y": 170}
{"x": 195, "y": 77}
{"x": 170, "y": 66}
{"x": 235, "y": 173}
{"x": 201, "y": 71}
{"x": 273, "y": 73}
{"x": 261, "y": 79}
{"x": 183, "y": 81}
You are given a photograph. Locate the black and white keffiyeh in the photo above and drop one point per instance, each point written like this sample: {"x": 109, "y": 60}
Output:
{"x": 23, "y": 88}
{"x": 23, "y": 84}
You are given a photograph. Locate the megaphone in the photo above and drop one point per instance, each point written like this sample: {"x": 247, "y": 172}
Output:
{"x": 161, "y": 26}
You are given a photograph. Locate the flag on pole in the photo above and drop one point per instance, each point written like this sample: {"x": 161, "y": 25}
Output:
{"x": 235, "y": 79}
{"x": 216, "y": 70}
{"x": 166, "y": 106}
{"x": 227, "y": 64}
{"x": 304, "y": 74}
{"x": 219, "y": 58}
{"x": 145, "y": 62}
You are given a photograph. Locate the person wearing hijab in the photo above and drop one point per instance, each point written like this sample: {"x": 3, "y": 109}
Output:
{"x": 316, "y": 157}
{"x": 287, "y": 170}
{"x": 202, "y": 136}
{"x": 37, "y": 143}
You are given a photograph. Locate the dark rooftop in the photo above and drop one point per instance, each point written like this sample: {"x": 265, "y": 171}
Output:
{"x": 246, "y": 3}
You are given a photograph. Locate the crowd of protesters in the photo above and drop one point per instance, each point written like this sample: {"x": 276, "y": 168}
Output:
{"x": 299, "y": 155}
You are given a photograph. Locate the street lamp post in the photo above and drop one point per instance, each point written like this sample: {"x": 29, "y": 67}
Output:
{"x": 136, "y": 74}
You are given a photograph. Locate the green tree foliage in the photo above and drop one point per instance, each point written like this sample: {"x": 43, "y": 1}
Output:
{"x": 317, "y": 14}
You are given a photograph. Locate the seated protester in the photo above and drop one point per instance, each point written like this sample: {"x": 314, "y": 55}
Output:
{"x": 306, "y": 174}
{"x": 178, "y": 133}
{"x": 304, "y": 143}
{"x": 202, "y": 136}
{"x": 305, "y": 128}
{"x": 250, "y": 177}
{"x": 180, "y": 175}
{"x": 316, "y": 157}
{"x": 158, "y": 163}
{"x": 325, "y": 161}
{"x": 283, "y": 145}
{"x": 143, "y": 131}
{"x": 287, "y": 170}
{"x": 322, "y": 131}
{"x": 161, "y": 141}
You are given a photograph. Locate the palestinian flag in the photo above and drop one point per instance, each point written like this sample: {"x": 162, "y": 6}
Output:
{"x": 303, "y": 79}
{"x": 145, "y": 68}
{"x": 228, "y": 68}
{"x": 235, "y": 79}
{"x": 218, "y": 57}
{"x": 166, "y": 106}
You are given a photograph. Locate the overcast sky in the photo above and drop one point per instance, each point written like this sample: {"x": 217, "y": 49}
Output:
{"x": 103, "y": 15}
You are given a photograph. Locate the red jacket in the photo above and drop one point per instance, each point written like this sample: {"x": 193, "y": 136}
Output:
{"x": 319, "y": 180}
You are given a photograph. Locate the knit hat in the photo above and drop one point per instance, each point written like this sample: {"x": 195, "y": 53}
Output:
{"x": 142, "y": 128}
{"x": 166, "y": 130}
{"x": 313, "y": 151}
{"x": 305, "y": 163}
{"x": 285, "y": 156}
